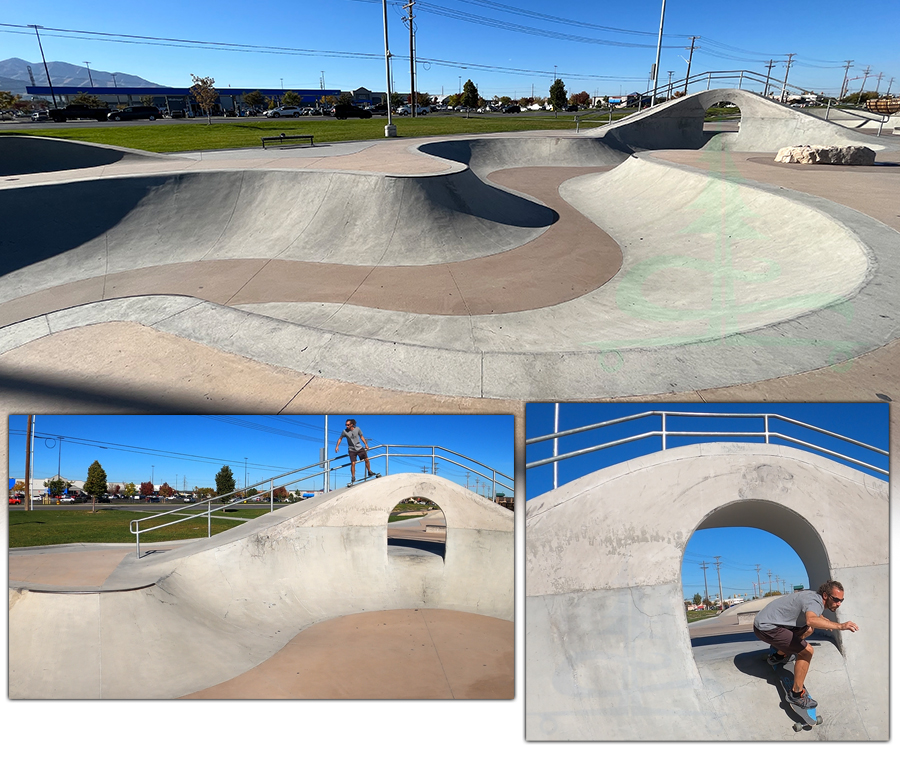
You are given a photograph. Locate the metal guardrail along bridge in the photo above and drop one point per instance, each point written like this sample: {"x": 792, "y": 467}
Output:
{"x": 773, "y": 426}
{"x": 428, "y": 454}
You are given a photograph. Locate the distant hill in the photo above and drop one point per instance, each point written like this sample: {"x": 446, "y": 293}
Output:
{"x": 14, "y": 76}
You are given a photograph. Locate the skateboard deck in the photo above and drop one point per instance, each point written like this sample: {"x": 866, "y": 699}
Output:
{"x": 364, "y": 479}
{"x": 786, "y": 680}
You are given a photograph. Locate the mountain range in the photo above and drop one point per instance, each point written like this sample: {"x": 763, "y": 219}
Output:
{"x": 14, "y": 76}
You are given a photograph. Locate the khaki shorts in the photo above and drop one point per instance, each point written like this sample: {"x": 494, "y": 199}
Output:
{"x": 783, "y": 638}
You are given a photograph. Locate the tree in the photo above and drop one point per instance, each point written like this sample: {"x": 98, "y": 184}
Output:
{"x": 454, "y": 100}
{"x": 166, "y": 489}
{"x": 504, "y": 100}
{"x": 525, "y": 101}
{"x": 582, "y": 98}
{"x": 254, "y": 99}
{"x": 697, "y": 598}
{"x": 147, "y": 489}
{"x": 56, "y": 486}
{"x": 470, "y": 95}
{"x": 224, "y": 481}
{"x": 116, "y": 489}
{"x": 96, "y": 483}
{"x": 7, "y": 100}
{"x": 291, "y": 99}
{"x": 280, "y": 493}
{"x": 130, "y": 490}
{"x": 423, "y": 99}
{"x": 396, "y": 100}
{"x": 201, "y": 493}
{"x": 558, "y": 95}
{"x": 147, "y": 100}
{"x": 204, "y": 94}
{"x": 345, "y": 98}
{"x": 87, "y": 100}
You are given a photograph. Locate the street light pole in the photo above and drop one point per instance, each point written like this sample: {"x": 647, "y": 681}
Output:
{"x": 662, "y": 17}
{"x": 46, "y": 69}
{"x": 89, "y": 74}
{"x": 390, "y": 130}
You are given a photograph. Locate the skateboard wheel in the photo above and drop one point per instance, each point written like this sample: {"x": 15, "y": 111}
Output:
{"x": 819, "y": 720}
{"x": 796, "y": 728}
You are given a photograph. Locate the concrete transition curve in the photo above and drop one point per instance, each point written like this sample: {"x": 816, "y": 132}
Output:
{"x": 608, "y": 654}
{"x": 178, "y": 621}
{"x": 720, "y": 280}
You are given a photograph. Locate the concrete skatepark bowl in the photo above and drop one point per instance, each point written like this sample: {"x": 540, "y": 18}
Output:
{"x": 183, "y": 620}
{"x": 641, "y": 258}
{"x": 608, "y": 654}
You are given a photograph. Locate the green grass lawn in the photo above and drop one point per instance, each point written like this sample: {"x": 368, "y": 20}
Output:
{"x": 697, "y": 615}
{"x": 57, "y": 524}
{"x": 169, "y": 137}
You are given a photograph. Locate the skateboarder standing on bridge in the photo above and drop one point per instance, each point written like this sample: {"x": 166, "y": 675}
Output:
{"x": 785, "y": 624}
{"x": 356, "y": 446}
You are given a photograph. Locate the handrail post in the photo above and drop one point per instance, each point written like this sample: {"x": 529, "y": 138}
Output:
{"x": 387, "y": 459}
{"x": 664, "y": 430}
{"x": 209, "y": 518}
{"x": 271, "y": 496}
{"x": 137, "y": 541}
{"x": 432, "y": 459}
{"x": 494, "y": 485}
{"x": 766, "y": 428}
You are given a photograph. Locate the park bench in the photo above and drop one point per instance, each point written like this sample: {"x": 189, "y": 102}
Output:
{"x": 290, "y": 138}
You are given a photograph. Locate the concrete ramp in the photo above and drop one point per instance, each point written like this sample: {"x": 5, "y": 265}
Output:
{"x": 766, "y": 126}
{"x": 34, "y": 155}
{"x": 175, "y": 622}
{"x": 608, "y": 654}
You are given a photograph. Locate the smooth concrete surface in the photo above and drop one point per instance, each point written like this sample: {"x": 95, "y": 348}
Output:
{"x": 246, "y": 592}
{"x": 391, "y": 654}
{"x": 658, "y": 276}
{"x": 608, "y": 651}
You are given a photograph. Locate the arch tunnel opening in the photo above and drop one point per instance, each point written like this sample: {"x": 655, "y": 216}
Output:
{"x": 417, "y": 527}
{"x": 760, "y": 550}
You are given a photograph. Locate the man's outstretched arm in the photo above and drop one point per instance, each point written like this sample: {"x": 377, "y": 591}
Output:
{"x": 820, "y": 622}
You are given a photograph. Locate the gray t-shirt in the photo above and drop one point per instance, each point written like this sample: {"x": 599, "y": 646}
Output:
{"x": 789, "y": 610}
{"x": 354, "y": 438}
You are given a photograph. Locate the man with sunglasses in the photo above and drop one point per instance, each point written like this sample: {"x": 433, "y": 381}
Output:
{"x": 357, "y": 447}
{"x": 785, "y": 624}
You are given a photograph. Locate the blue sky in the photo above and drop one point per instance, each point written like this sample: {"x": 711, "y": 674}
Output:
{"x": 169, "y": 448}
{"x": 602, "y": 48}
{"x": 741, "y": 549}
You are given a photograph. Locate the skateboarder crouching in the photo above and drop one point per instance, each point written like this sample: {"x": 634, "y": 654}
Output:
{"x": 356, "y": 446}
{"x": 785, "y": 624}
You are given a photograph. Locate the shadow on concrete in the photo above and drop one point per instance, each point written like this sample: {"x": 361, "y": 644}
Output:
{"x": 437, "y": 549}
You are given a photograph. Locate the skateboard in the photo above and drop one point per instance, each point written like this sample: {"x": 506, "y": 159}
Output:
{"x": 366, "y": 478}
{"x": 808, "y": 716}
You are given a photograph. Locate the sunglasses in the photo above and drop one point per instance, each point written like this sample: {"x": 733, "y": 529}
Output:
{"x": 835, "y": 599}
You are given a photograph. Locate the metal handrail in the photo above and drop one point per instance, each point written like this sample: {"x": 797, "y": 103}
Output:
{"x": 322, "y": 467}
{"x": 767, "y": 433}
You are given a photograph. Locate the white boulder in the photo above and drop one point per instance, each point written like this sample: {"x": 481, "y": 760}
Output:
{"x": 851, "y": 155}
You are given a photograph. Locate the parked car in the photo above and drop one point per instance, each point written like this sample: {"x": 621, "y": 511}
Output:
{"x": 78, "y": 111}
{"x": 13, "y": 499}
{"x": 39, "y": 115}
{"x": 137, "y": 112}
{"x": 66, "y": 499}
{"x": 344, "y": 111}
{"x": 176, "y": 114}
{"x": 283, "y": 112}
{"x": 512, "y": 108}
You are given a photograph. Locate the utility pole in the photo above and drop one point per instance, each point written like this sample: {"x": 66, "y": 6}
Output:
{"x": 777, "y": 580}
{"x": 769, "y": 65}
{"x": 669, "y": 92}
{"x": 770, "y": 582}
{"x": 46, "y": 69}
{"x": 865, "y": 76}
{"x": 719, "y": 574}
{"x": 687, "y": 77}
{"x": 878, "y": 84}
{"x": 28, "y": 463}
{"x": 758, "y": 584}
{"x": 844, "y": 85}
{"x": 704, "y": 567}
{"x": 412, "y": 57}
{"x": 787, "y": 69}
{"x": 89, "y": 74}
